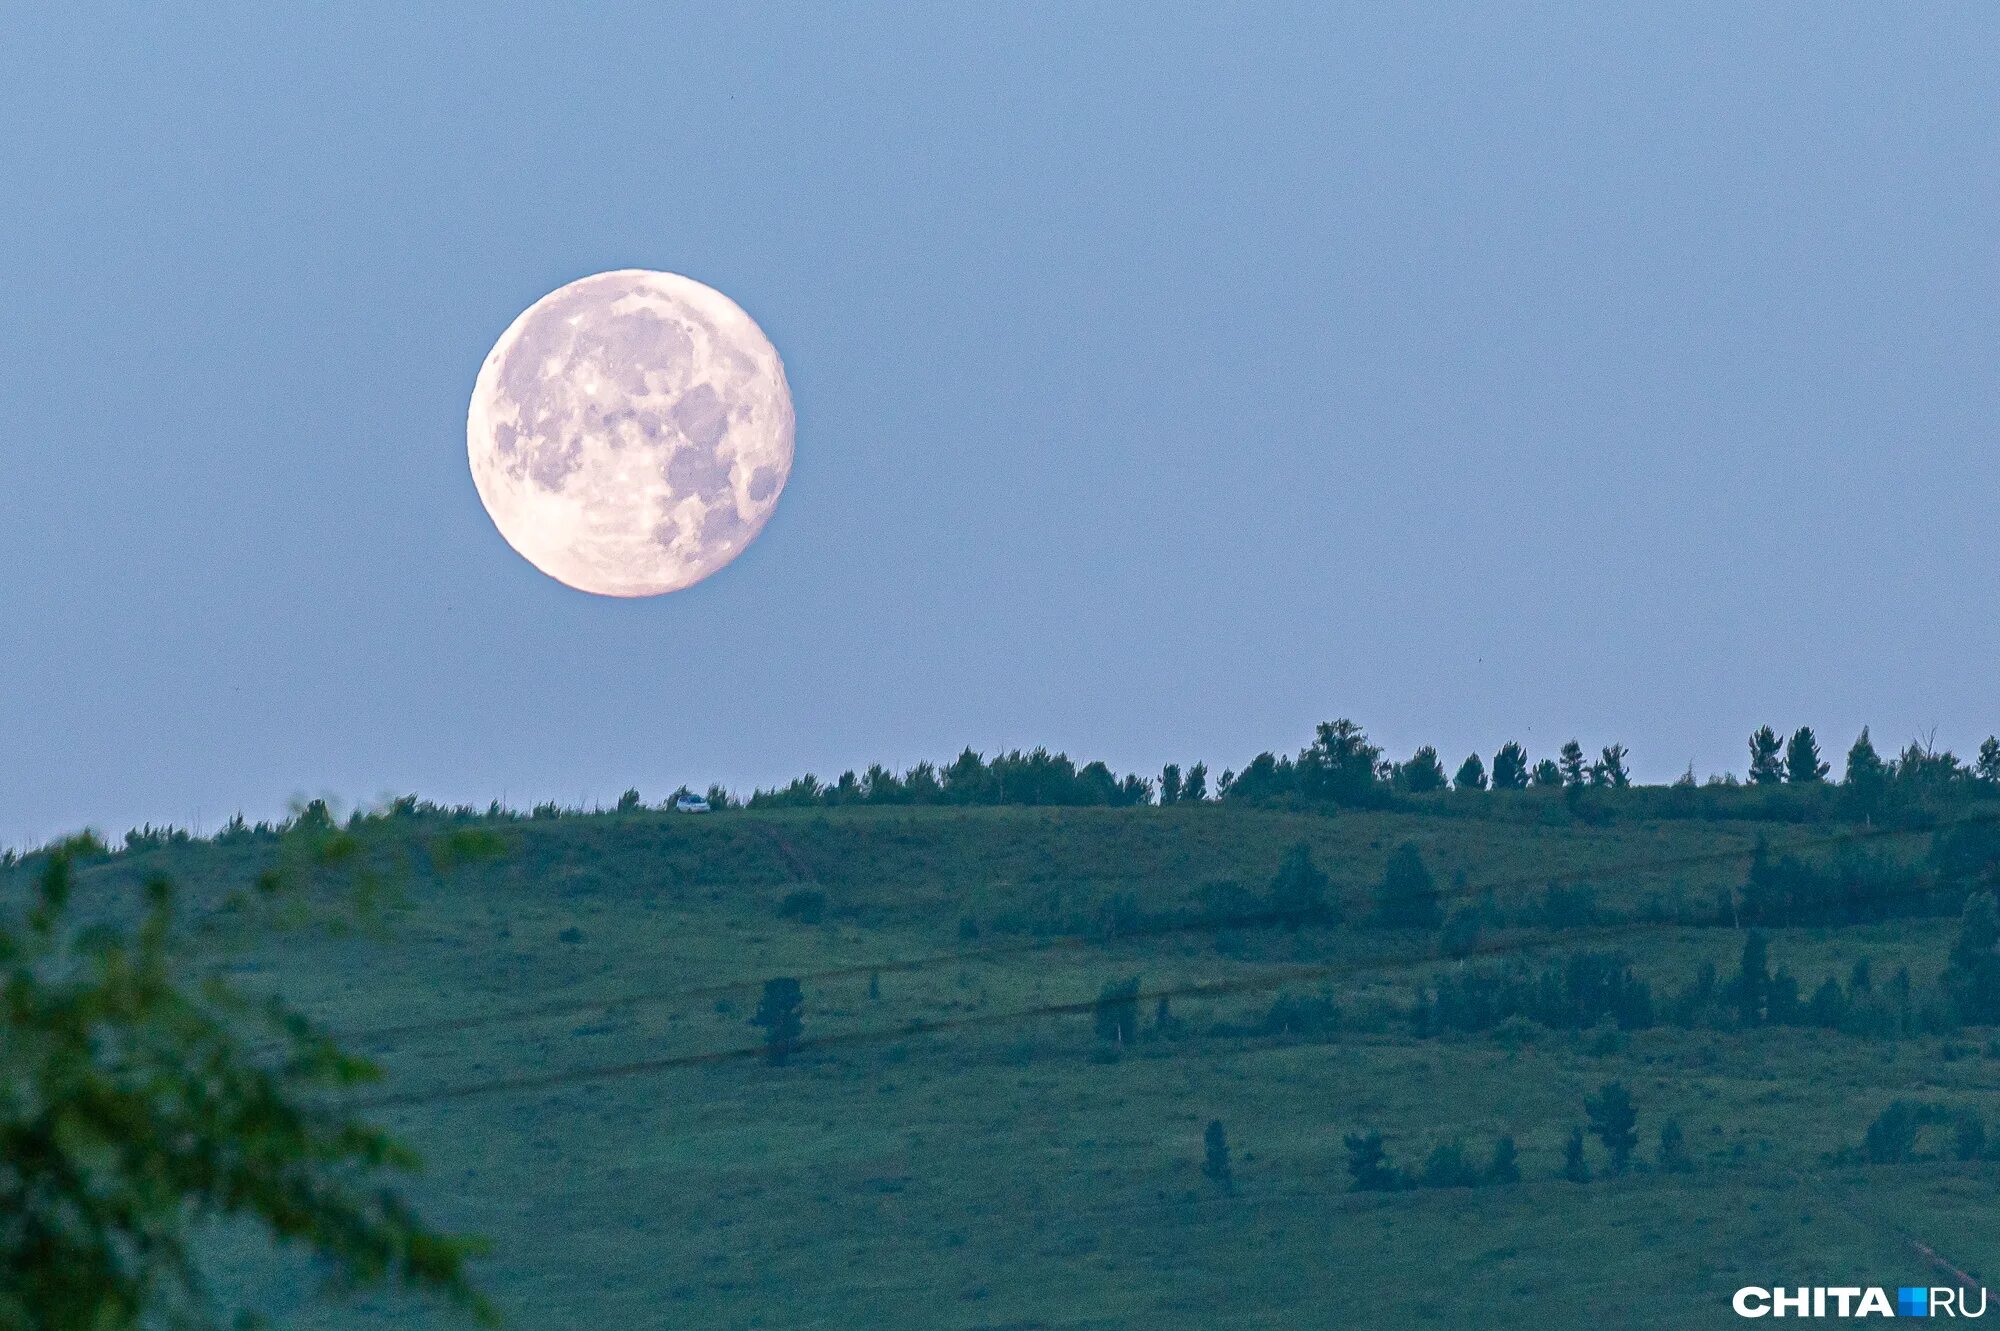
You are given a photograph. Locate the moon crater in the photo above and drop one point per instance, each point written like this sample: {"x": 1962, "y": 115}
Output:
{"x": 630, "y": 433}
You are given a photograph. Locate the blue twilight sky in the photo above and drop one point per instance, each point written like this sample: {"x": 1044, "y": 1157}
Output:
{"x": 1169, "y": 377}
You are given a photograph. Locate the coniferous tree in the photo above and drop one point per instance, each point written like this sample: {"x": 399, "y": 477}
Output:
{"x": 1574, "y": 769}
{"x": 1505, "y": 1167}
{"x": 1802, "y": 761}
{"x": 1116, "y": 1013}
{"x": 1987, "y": 766}
{"x": 1215, "y": 1157}
{"x": 1576, "y": 1168}
{"x": 1471, "y": 774}
{"x": 1614, "y": 1122}
{"x": 781, "y": 1012}
{"x": 1407, "y": 897}
{"x": 1610, "y": 770}
{"x": 1195, "y": 787}
{"x": 1866, "y": 773}
{"x": 1750, "y": 990}
{"x": 1972, "y": 976}
{"x": 1447, "y": 1167}
{"x": 1170, "y": 783}
{"x": 1299, "y": 891}
{"x": 1672, "y": 1156}
{"x": 1547, "y": 773}
{"x": 1510, "y": 767}
{"x": 1423, "y": 773}
{"x": 1766, "y": 767}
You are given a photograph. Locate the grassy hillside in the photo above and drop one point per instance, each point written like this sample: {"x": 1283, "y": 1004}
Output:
{"x": 965, "y": 1151}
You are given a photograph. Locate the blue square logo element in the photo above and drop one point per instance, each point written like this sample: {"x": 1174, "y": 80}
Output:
{"x": 1913, "y": 1301}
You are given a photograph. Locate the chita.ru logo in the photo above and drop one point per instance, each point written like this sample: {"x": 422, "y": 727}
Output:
{"x": 1860, "y": 1301}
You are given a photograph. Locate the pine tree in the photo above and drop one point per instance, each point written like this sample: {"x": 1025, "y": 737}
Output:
{"x": 1972, "y": 976}
{"x": 1751, "y": 989}
{"x": 1195, "y": 788}
{"x": 1611, "y": 770}
{"x": 1866, "y": 773}
{"x": 1215, "y": 1157}
{"x": 1672, "y": 1156}
{"x": 1802, "y": 762}
{"x": 1170, "y": 783}
{"x": 1547, "y": 773}
{"x": 1407, "y": 897}
{"x": 1116, "y": 1012}
{"x": 1575, "y": 1167}
{"x": 1572, "y": 764}
{"x": 1505, "y": 1166}
{"x": 781, "y": 1013}
{"x": 1765, "y": 767}
{"x": 1423, "y": 773}
{"x": 1471, "y": 774}
{"x": 1368, "y": 1164}
{"x": 1298, "y": 893}
{"x": 1510, "y": 767}
{"x": 1614, "y": 1122}
{"x": 1987, "y": 766}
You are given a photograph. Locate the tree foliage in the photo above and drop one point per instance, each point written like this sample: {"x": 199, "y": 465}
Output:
{"x": 137, "y": 1103}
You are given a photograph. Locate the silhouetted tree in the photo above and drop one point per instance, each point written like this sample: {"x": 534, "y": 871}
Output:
{"x": 1866, "y": 774}
{"x": 1987, "y": 766}
{"x": 1423, "y": 773}
{"x": 1547, "y": 773}
{"x": 781, "y": 1012}
{"x": 1614, "y": 1122}
{"x": 1471, "y": 774}
{"x": 1576, "y": 1168}
{"x": 1892, "y": 1138}
{"x": 1505, "y": 1167}
{"x": 1407, "y": 897}
{"x": 1215, "y": 1157}
{"x": 1195, "y": 788}
{"x": 1339, "y": 765}
{"x": 1750, "y": 990}
{"x": 1972, "y": 975}
{"x": 1672, "y": 1155}
{"x": 1610, "y": 769}
{"x": 1802, "y": 762}
{"x": 1298, "y": 892}
{"x": 1447, "y": 1167}
{"x": 1170, "y": 783}
{"x": 1368, "y": 1164}
{"x": 1574, "y": 769}
{"x": 1766, "y": 767}
{"x": 1510, "y": 767}
{"x": 1116, "y": 1014}
{"x": 628, "y": 802}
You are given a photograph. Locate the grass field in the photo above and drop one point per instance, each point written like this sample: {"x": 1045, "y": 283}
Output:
{"x": 953, "y": 1158}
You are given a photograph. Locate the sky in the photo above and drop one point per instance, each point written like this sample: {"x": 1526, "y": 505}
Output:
{"x": 1169, "y": 377}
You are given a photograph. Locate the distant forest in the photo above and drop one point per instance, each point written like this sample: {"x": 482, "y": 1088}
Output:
{"x": 1788, "y": 779}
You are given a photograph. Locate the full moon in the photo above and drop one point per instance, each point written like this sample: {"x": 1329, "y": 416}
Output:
{"x": 630, "y": 432}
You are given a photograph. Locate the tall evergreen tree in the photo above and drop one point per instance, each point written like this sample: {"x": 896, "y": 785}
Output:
{"x": 781, "y": 1012}
{"x": 1299, "y": 891}
{"x": 1339, "y": 765}
{"x": 1407, "y": 897}
{"x": 1802, "y": 762}
{"x": 1866, "y": 772}
{"x": 1423, "y": 773}
{"x": 1576, "y": 1168}
{"x": 1505, "y": 1166}
{"x": 1547, "y": 773}
{"x": 1987, "y": 766}
{"x": 1195, "y": 788}
{"x": 1510, "y": 767}
{"x": 1972, "y": 976}
{"x": 1471, "y": 774}
{"x": 1572, "y": 764}
{"x": 1750, "y": 990}
{"x": 1116, "y": 1013}
{"x": 1215, "y": 1157}
{"x": 1611, "y": 770}
{"x": 1614, "y": 1122}
{"x": 1170, "y": 783}
{"x": 1766, "y": 767}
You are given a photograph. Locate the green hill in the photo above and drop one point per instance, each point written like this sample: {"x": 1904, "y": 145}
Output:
{"x": 965, "y": 1138}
